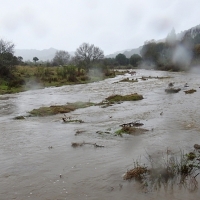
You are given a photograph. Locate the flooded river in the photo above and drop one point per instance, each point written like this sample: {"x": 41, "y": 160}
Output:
{"x": 29, "y": 169}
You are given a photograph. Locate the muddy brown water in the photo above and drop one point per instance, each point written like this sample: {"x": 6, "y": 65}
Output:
{"x": 31, "y": 170}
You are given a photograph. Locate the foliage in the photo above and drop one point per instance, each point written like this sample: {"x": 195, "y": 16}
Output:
{"x": 171, "y": 37}
{"x": 152, "y": 51}
{"x": 121, "y": 59}
{"x": 130, "y": 131}
{"x": 167, "y": 172}
{"x": 20, "y": 60}
{"x": 196, "y": 51}
{"x": 110, "y": 62}
{"x": 71, "y": 71}
{"x": 87, "y": 54}
{"x": 35, "y": 59}
{"x": 61, "y": 58}
{"x": 135, "y": 59}
{"x": 6, "y": 47}
{"x": 173, "y": 54}
{"x": 7, "y": 59}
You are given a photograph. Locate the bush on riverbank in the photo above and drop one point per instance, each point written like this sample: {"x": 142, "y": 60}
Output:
{"x": 30, "y": 77}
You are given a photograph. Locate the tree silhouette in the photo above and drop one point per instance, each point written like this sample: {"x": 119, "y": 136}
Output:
{"x": 7, "y": 59}
{"x": 61, "y": 58}
{"x": 35, "y": 59}
{"x": 88, "y": 53}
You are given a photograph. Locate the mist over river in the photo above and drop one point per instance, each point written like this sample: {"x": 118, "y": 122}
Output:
{"x": 29, "y": 169}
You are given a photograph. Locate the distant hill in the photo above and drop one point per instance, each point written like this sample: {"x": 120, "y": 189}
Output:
{"x": 48, "y": 54}
{"x": 42, "y": 55}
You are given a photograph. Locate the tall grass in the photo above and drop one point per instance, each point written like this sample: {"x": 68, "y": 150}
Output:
{"x": 168, "y": 172}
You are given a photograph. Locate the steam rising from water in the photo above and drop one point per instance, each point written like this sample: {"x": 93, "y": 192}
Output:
{"x": 182, "y": 56}
{"x": 33, "y": 84}
{"x": 97, "y": 72}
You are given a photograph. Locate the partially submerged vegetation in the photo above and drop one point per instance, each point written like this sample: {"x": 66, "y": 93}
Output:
{"x": 132, "y": 128}
{"x": 58, "y": 109}
{"x": 61, "y": 109}
{"x": 129, "y": 97}
{"x": 131, "y": 131}
{"x": 117, "y": 99}
{"x": 190, "y": 91}
{"x": 180, "y": 169}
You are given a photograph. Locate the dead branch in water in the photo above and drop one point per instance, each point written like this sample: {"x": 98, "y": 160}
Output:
{"x": 79, "y": 132}
{"x": 79, "y": 144}
{"x": 135, "y": 123}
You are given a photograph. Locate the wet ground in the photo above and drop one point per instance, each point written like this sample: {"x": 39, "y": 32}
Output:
{"x": 29, "y": 169}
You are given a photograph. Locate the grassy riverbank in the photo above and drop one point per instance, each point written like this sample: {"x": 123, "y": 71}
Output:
{"x": 35, "y": 77}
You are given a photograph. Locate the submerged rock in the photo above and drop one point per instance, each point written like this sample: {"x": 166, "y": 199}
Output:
{"x": 172, "y": 90}
{"x": 19, "y": 117}
{"x": 171, "y": 84}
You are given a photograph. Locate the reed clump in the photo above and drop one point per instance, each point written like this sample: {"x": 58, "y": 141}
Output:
{"x": 167, "y": 172}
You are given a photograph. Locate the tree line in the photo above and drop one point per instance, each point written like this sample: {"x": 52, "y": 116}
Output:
{"x": 172, "y": 54}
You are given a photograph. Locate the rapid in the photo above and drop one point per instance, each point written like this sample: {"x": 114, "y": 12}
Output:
{"x": 31, "y": 169}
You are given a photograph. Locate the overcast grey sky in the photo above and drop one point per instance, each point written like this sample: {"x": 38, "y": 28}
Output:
{"x": 112, "y": 25}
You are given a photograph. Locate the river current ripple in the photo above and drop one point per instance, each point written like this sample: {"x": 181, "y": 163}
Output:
{"x": 29, "y": 169}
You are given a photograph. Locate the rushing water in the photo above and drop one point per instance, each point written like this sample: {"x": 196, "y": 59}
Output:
{"x": 31, "y": 170}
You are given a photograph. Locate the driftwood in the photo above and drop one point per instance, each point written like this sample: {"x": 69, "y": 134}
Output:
{"x": 79, "y": 144}
{"x": 69, "y": 119}
{"x": 136, "y": 124}
{"x": 79, "y": 132}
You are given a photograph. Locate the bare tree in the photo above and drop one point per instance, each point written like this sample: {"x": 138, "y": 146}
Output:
{"x": 6, "y": 47}
{"x": 61, "y": 58}
{"x": 97, "y": 54}
{"x": 88, "y": 53}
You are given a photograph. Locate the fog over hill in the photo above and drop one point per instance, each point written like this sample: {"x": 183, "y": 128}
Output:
{"x": 48, "y": 54}
{"x": 42, "y": 55}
